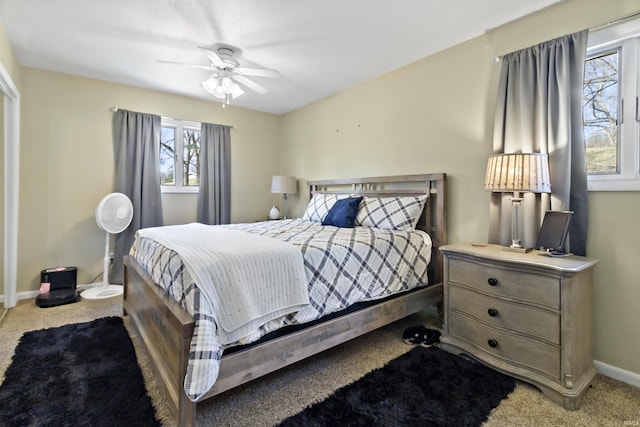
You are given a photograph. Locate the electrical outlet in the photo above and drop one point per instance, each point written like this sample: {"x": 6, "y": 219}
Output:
{"x": 111, "y": 256}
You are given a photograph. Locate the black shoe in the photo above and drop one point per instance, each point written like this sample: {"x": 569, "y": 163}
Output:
{"x": 432, "y": 337}
{"x": 419, "y": 335}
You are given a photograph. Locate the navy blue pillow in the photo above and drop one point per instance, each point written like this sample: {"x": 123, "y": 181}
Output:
{"x": 343, "y": 213}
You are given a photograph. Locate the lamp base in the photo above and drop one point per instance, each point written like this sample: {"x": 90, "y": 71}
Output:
{"x": 515, "y": 249}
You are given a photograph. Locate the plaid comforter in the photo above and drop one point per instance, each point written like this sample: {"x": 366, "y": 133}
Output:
{"x": 342, "y": 265}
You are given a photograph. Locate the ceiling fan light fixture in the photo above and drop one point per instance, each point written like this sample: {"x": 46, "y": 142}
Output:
{"x": 237, "y": 91}
{"x": 227, "y": 85}
{"x": 210, "y": 84}
{"x": 222, "y": 88}
{"x": 218, "y": 92}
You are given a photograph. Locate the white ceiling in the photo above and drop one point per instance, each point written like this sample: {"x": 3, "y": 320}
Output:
{"x": 320, "y": 47}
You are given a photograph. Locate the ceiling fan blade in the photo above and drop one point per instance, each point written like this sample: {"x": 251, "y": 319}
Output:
{"x": 250, "y": 84}
{"x": 213, "y": 57}
{"x": 205, "y": 67}
{"x": 259, "y": 72}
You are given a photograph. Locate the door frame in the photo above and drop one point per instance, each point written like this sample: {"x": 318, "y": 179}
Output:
{"x": 11, "y": 184}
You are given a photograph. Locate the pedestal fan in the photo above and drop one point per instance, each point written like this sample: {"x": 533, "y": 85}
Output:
{"x": 113, "y": 215}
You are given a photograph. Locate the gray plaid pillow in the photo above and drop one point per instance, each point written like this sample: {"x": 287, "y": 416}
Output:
{"x": 391, "y": 213}
{"x": 319, "y": 206}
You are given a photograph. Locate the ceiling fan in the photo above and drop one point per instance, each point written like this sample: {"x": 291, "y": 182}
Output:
{"x": 227, "y": 73}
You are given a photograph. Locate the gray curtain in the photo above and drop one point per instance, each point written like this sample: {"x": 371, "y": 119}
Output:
{"x": 214, "y": 197}
{"x": 539, "y": 109}
{"x": 136, "y": 141}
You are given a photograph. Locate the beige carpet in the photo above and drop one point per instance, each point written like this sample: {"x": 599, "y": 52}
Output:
{"x": 268, "y": 400}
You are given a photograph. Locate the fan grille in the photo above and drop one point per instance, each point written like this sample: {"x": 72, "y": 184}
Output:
{"x": 114, "y": 213}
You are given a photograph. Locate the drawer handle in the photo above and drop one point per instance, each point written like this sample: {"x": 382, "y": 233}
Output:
{"x": 492, "y": 343}
{"x": 492, "y": 312}
{"x": 492, "y": 281}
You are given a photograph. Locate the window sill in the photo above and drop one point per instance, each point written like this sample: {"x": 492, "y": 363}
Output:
{"x": 613, "y": 184}
{"x": 166, "y": 189}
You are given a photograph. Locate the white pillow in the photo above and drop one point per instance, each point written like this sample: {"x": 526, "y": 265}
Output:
{"x": 391, "y": 213}
{"x": 319, "y": 206}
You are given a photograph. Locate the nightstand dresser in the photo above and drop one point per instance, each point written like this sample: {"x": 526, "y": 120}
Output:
{"x": 525, "y": 314}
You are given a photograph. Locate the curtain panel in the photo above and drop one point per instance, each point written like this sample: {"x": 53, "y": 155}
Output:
{"x": 214, "y": 196}
{"x": 136, "y": 141}
{"x": 539, "y": 109}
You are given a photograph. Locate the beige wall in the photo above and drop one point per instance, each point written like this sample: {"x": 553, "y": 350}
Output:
{"x": 8, "y": 58}
{"x": 436, "y": 115}
{"x": 67, "y": 166}
{"x": 413, "y": 120}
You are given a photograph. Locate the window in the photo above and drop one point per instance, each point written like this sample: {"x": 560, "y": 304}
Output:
{"x": 179, "y": 156}
{"x": 601, "y": 98}
{"x": 610, "y": 109}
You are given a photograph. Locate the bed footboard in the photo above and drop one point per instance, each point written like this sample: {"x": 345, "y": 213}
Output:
{"x": 165, "y": 329}
{"x": 243, "y": 366}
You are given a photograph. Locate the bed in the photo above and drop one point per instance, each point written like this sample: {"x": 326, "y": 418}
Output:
{"x": 167, "y": 328}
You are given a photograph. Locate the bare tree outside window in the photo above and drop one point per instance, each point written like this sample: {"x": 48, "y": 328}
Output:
{"x": 191, "y": 157}
{"x": 600, "y": 109}
{"x": 168, "y": 156}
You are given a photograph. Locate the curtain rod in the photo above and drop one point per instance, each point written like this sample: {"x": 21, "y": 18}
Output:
{"x": 615, "y": 21}
{"x": 233, "y": 127}
{"x": 497, "y": 58}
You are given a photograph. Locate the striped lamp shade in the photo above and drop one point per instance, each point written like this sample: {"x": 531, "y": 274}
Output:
{"x": 526, "y": 172}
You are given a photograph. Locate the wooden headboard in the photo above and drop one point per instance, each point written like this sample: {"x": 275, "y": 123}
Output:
{"x": 434, "y": 216}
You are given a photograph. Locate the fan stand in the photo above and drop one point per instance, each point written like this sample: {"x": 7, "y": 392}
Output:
{"x": 105, "y": 289}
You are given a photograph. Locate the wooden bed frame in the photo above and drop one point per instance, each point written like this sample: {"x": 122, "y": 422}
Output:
{"x": 166, "y": 328}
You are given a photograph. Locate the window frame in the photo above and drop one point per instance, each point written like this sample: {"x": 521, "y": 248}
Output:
{"x": 179, "y": 126}
{"x": 626, "y": 38}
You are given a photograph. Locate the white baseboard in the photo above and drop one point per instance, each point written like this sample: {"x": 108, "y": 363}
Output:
{"x": 617, "y": 373}
{"x": 23, "y": 295}
{"x": 34, "y": 294}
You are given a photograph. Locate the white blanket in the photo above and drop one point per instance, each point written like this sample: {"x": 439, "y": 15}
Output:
{"x": 248, "y": 279}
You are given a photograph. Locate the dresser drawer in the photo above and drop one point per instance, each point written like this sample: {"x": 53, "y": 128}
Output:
{"x": 515, "y": 350}
{"x": 529, "y": 287}
{"x": 520, "y": 318}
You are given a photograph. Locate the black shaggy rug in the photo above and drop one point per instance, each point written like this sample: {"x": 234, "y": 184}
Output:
{"x": 84, "y": 374}
{"x": 424, "y": 387}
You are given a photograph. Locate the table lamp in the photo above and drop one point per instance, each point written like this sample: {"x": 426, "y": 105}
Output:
{"x": 285, "y": 185}
{"x": 517, "y": 172}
